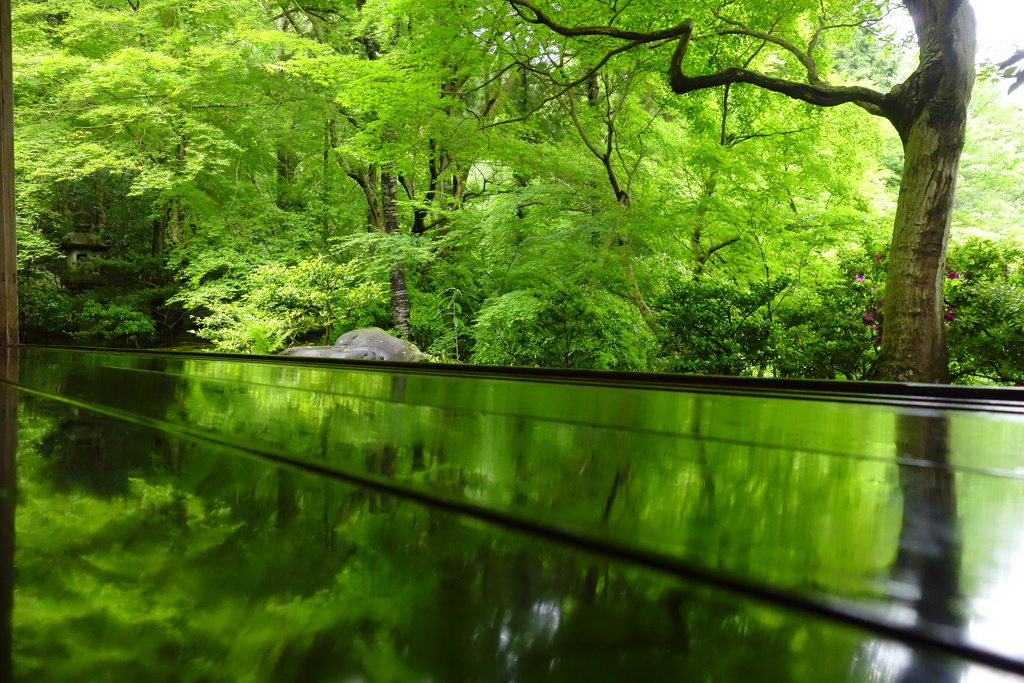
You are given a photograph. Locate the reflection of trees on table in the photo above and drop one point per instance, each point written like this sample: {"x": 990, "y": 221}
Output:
{"x": 217, "y": 568}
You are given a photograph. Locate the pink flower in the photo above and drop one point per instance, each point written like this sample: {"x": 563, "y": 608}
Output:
{"x": 859, "y": 278}
{"x": 950, "y": 314}
{"x": 953, "y": 275}
{"x": 878, "y": 258}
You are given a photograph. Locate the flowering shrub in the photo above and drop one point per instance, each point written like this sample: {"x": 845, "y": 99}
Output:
{"x": 832, "y": 329}
{"x": 985, "y": 312}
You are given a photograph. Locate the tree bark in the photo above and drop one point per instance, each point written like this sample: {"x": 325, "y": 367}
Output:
{"x": 635, "y": 295}
{"x": 160, "y": 233}
{"x": 931, "y": 118}
{"x": 399, "y": 290}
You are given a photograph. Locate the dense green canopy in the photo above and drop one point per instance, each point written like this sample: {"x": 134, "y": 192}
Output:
{"x": 273, "y": 174}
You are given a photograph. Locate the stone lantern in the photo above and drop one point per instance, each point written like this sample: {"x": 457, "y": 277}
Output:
{"x": 81, "y": 247}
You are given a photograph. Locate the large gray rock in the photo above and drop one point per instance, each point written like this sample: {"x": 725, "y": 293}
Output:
{"x": 368, "y": 343}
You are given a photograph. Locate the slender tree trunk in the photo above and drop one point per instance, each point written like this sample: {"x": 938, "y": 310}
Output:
{"x": 700, "y": 256}
{"x": 160, "y": 233}
{"x": 419, "y": 220}
{"x": 388, "y": 210}
{"x": 399, "y": 290}
{"x": 285, "y": 175}
{"x": 635, "y": 295}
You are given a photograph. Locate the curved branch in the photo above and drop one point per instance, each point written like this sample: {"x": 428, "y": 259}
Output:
{"x": 818, "y": 92}
{"x": 539, "y": 17}
{"x": 821, "y": 93}
{"x": 568, "y": 86}
{"x": 805, "y": 59}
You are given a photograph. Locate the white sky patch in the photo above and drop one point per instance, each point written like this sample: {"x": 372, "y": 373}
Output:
{"x": 1000, "y": 33}
{"x": 1000, "y": 27}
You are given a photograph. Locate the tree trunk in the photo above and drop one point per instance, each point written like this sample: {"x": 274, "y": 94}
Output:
{"x": 399, "y": 291}
{"x": 700, "y": 256}
{"x": 635, "y": 295}
{"x": 283, "y": 194}
{"x": 931, "y": 118}
{"x": 913, "y": 335}
{"x": 387, "y": 213}
{"x": 160, "y": 233}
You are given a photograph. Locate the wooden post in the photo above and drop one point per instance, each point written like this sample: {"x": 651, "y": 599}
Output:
{"x": 8, "y": 339}
{"x": 8, "y": 242}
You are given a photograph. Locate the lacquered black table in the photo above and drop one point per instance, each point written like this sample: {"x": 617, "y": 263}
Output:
{"x": 194, "y": 517}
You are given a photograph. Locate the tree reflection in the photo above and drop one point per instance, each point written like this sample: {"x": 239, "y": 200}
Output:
{"x": 926, "y": 572}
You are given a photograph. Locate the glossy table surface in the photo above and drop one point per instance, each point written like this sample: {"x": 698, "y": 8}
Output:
{"x": 190, "y": 517}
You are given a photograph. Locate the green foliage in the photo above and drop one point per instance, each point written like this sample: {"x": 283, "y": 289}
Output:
{"x": 441, "y": 322}
{"x": 989, "y": 200}
{"x": 116, "y": 317}
{"x": 985, "y": 312}
{"x": 46, "y": 311}
{"x": 538, "y": 224}
{"x": 282, "y": 303}
{"x": 716, "y": 328}
{"x": 563, "y": 327}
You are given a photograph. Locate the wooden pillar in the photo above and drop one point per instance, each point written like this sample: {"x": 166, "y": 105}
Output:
{"x": 8, "y": 339}
{"x": 8, "y": 243}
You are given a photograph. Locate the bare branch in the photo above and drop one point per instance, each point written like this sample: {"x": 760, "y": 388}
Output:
{"x": 569, "y": 86}
{"x": 734, "y": 140}
{"x": 539, "y": 17}
{"x": 721, "y": 245}
{"x": 571, "y": 108}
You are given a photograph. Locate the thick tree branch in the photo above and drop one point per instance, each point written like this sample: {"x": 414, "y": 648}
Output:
{"x": 524, "y": 8}
{"x": 817, "y": 92}
{"x": 821, "y": 94}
